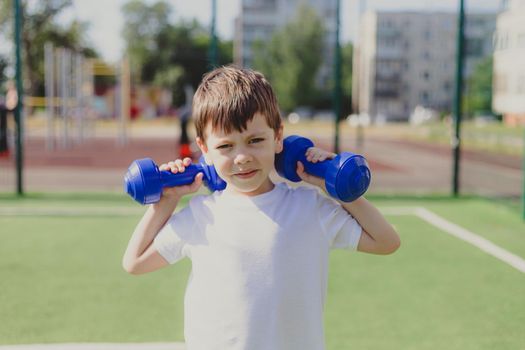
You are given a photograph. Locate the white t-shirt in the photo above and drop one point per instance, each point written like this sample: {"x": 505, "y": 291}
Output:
{"x": 259, "y": 266}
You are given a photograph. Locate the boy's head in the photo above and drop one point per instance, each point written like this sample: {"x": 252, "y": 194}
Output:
{"x": 239, "y": 128}
{"x": 228, "y": 97}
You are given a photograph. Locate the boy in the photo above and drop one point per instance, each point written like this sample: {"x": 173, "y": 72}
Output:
{"x": 259, "y": 250}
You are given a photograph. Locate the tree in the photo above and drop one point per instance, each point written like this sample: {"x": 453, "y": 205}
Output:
{"x": 166, "y": 54}
{"x": 347, "y": 52}
{"x": 292, "y": 57}
{"x": 143, "y": 24}
{"x": 40, "y": 26}
{"x": 3, "y": 78}
{"x": 479, "y": 92}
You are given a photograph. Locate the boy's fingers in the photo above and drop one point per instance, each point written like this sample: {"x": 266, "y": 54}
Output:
{"x": 310, "y": 152}
{"x": 186, "y": 161}
{"x": 172, "y": 167}
{"x": 178, "y": 165}
{"x": 198, "y": 180}
{"x": 300, "y": 171}
{"x": 307, "y": 177}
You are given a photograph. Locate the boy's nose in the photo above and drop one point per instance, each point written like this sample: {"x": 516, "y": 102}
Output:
{"x": 242, "y": 158}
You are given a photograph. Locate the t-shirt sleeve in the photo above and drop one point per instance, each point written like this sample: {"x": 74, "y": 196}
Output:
{"x": 171, "y": 241}
{"x": 341, "y": 229}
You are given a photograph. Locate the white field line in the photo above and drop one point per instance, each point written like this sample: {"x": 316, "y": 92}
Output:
{"x": 97, "y": 346}
{"x": 483, "y": 244}
{"x": 459, "y": 232}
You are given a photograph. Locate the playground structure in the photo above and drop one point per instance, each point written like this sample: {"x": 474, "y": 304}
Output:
{"x": 70, "y": 100}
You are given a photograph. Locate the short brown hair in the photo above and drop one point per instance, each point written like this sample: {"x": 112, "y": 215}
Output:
{"x": 229, "y": 97}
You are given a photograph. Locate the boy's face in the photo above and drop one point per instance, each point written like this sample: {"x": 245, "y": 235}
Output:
{"x": 244, "y": 159}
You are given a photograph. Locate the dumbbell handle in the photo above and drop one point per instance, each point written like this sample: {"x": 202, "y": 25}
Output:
{"x": 169, "y": 179}
{"x": 317, "y": 169}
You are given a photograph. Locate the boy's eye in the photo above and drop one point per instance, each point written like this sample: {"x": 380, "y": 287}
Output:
{"x": 224, "y": 146}
{"x": 257, "y": 140}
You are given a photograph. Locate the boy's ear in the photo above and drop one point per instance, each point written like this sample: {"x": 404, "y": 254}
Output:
{"x": 204, "y": 149}
{"x": 279, "y": 139}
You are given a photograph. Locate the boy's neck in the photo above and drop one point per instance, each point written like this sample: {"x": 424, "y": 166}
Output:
{"x": 266, "y": 187}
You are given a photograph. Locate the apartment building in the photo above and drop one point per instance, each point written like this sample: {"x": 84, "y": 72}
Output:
{"x": 408, "y": 59}
{"x": 258, "y": 20}
{"x": 509, "y": 64}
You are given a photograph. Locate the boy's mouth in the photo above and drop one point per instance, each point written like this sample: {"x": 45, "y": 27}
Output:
{"x": 246, "y": 174}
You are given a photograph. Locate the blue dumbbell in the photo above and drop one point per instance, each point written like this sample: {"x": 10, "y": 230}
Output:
{"x": 347, "y": 176}
{"x": 144, "y": 180}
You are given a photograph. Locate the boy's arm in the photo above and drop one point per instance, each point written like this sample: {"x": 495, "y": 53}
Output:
{"x": 141, "y": 256}
{"x": 378, "y": 236}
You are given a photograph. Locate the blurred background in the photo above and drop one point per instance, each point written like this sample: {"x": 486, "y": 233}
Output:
{"x": 105, "y": 83}
{"x": 431, "y": 93}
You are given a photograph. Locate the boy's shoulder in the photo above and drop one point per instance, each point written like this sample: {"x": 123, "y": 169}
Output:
{"x": 298, "y": 194}
{"x": 301, "y": 190}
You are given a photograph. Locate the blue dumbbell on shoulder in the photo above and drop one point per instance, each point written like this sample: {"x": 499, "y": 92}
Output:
{"x": 347, "y": 176}
{"x": 144, "y": 180}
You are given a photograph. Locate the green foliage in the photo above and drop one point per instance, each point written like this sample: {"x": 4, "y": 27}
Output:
{"x": 167, "y": 54}
{"x": 143, "y": 25}
{"x": 325, "y": 98}
{"x": 40, "y": 25}
{"x": 292, "y": 57}
{"x": 478, "y": 98}
{"x": 347, "y": 52}
{"x": 3, "y": 78}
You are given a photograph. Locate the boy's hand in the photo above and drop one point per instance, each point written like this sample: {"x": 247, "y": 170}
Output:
{"x": 179, "y": 166}
{"x": 314, "y": 155}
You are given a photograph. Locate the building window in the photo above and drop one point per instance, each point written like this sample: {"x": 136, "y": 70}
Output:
{"x": 501, "y": 41}
{"x": 424, "y": 97}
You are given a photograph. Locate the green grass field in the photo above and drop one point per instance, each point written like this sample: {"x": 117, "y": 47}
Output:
{"x": 61, "y": 279}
